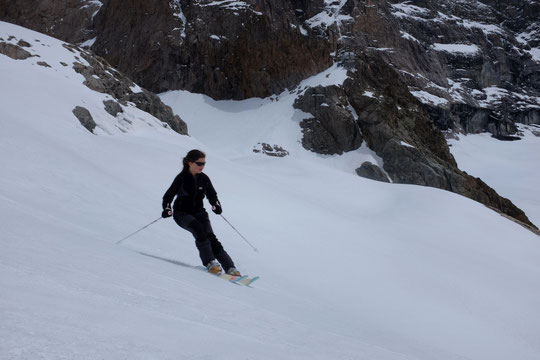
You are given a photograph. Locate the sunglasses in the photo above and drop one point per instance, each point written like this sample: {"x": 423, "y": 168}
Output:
{"x": 200, "y": 163}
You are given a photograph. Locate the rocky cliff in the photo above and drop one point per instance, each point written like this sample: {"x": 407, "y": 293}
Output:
{"x": 196, "y": 45}
{"x": 474, "y": 65}
{"x": 192, "y": 45}
{"x": 417, "y": 69}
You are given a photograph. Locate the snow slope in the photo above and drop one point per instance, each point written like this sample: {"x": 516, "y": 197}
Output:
{"x": 350, "y": 268}
{"x": 510, "y": 167}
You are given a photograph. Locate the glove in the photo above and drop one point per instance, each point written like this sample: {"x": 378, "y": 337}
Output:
{"x": 217, "y": 208}
{"x": 167, "y": 212}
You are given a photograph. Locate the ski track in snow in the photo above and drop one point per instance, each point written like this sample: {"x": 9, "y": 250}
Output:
{"x": 350, "y": 268}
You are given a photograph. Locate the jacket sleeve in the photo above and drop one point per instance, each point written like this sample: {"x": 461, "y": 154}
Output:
{"x": 171, "y": 192}
{"x": 211, "y": 193}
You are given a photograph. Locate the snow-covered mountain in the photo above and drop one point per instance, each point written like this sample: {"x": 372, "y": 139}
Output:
{"x": 350, "y": 268}
{"x": 414, "y": 68}
{"x": 474, "y": 64}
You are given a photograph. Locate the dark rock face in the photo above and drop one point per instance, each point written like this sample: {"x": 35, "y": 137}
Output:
{"x": 371, "y": 171}
{"x": 386, "y": 110}
{"x": 332, "y": 129}
{"x": 306, "y": 9}
{"x": 69, "y": 20}
{"x": 140, "y": 40}
{"x": 531, "y": 117}
{"x": 473, "y": 120}
{"x": 476, "y": 59}
{"x": 395, "y": 126}
{"x": 85, "y": 118}
{"x": 226, "y": 52}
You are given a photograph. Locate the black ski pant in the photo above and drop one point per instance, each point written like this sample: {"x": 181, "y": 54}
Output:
{"x": 206, "y": 241}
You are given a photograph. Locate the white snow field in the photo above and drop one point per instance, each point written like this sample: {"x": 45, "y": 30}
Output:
{"x": 350, "y": 268}
{"x": 510, "y": 167}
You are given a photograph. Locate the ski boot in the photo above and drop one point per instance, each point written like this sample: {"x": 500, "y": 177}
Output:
{"x": 233, "y": 271}
{"x": 214, "y": 267}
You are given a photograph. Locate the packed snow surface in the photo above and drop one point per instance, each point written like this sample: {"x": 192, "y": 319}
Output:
{"x": 350, "y": 268}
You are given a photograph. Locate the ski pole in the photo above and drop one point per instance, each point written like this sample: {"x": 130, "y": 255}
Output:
{"x": 246, "y": 240}
{"x": 144, "y": 227}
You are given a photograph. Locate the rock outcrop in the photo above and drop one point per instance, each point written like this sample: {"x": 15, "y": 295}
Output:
{"x": 85, "y": 118}
{"x": 14, "y": 51}
{"x": 333, "y": 128}
{"x": 98, "y": 76}
{"x": 397, "y": 127}
{"x": 372, "y": 171}
{"x": 101, "y": 77}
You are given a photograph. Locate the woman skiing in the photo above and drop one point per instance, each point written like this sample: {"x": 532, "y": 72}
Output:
{"x": 189, "y": 187}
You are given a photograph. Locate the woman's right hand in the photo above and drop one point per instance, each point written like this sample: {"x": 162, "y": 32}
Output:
{"x": 217, "y": 209}
{"x": 167, "y": 212}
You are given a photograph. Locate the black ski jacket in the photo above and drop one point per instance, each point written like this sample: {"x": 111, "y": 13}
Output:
{"x": 190, "y": 191}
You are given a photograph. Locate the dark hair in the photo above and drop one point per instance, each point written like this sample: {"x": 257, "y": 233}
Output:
{"x": 192, "y": 156}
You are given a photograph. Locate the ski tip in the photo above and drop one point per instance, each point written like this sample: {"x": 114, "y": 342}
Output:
{"x": 247, "y": 281}
{"x": 253, "y": 280}
{"x": 237, "y": 279}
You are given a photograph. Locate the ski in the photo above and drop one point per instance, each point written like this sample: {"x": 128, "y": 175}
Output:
{"x": 231, "y": 278}
{"x": 243, "y": 279}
